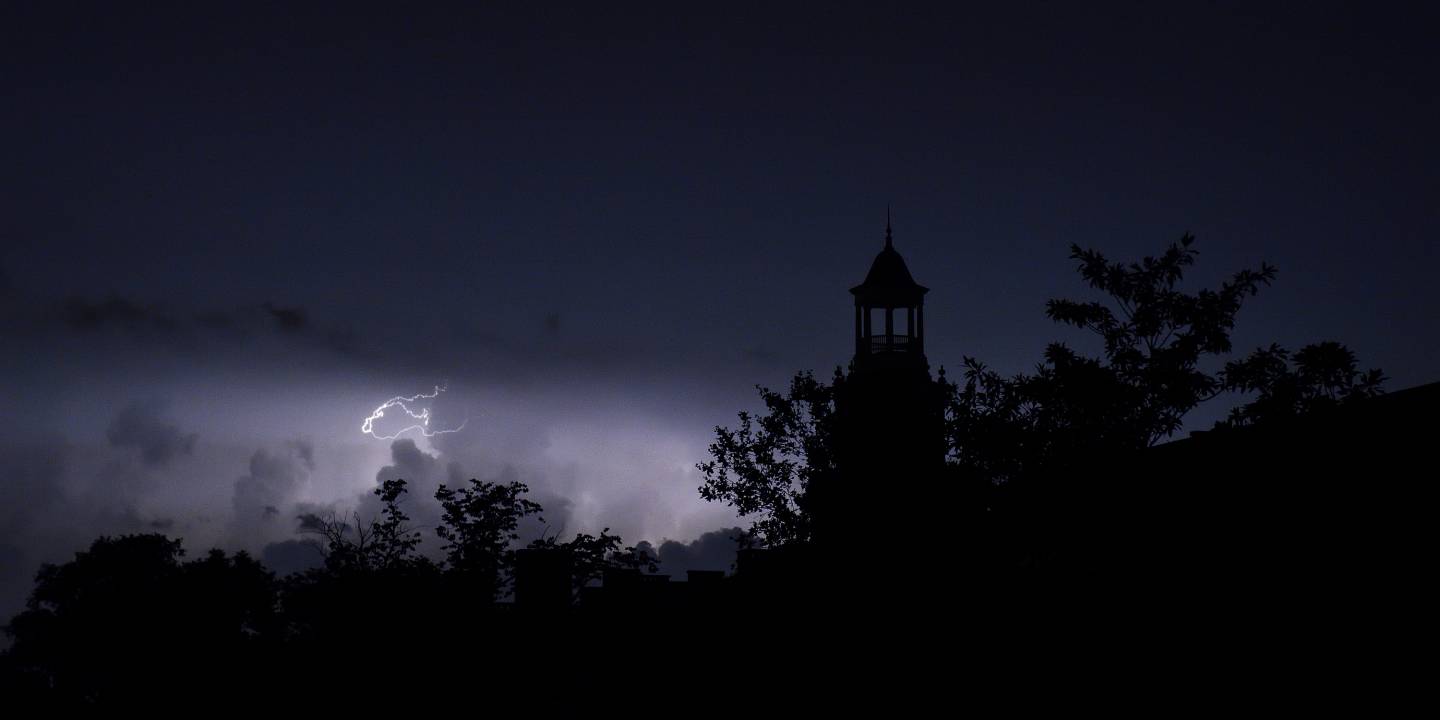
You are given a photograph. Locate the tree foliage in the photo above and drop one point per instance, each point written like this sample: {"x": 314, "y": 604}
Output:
{"x": 1156, "y": 339}
{"x": 129, "y": 615}
{"x": 94, "y": 628}
{"x": 764, "y": 467}
{"x": 478, "y": 529}
{"x": 349, "y": 543}
{"x": 1317, "y": 377}
{"x": 592, "y": 555}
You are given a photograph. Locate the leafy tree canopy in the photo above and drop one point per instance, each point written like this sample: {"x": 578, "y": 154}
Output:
{"x": 764, "y": 467}
{"x": 592, "y": 555}
{"x": 478, "y": 528}
{"x": 384, "y": 543}
{"x": 1317, "y": 377}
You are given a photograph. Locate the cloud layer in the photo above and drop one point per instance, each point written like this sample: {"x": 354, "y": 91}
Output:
{"x": 141, "y": 425}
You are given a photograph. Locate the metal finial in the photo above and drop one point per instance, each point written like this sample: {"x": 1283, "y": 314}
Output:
{"x": 889, "y": 242}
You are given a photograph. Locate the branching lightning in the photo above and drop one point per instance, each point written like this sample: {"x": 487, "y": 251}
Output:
{"x": 368, "y": 427}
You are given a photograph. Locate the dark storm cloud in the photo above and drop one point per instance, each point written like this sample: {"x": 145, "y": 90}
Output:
{"x": 173, "y": 326}
{"x": 311, "y": 518}
{"x": 141, "y": 425}
{"x": 117, "y": 312}
{"x": 29, "y": 496}
{"x": 287, "y": 319}
{"x": 84, "y": 315}
{"x": 29, "y": 488}
{"x": 31, "y": 484}
{"x": 12, "y": 571}
{"x": 305, "y": 450}
{"x": 120, "y": 314}
{"x": 291, "y": 556}
{"x": 17, "y": 573}
{"x": 764, "y": 356}
{"x": 275, "y": 478}
{"x": 714, "y": 550}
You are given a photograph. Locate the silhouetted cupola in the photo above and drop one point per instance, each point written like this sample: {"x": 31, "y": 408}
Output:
{"x": 889, "y": 307}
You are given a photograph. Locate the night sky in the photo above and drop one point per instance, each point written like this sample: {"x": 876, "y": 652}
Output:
{"x": 229, "y": 235}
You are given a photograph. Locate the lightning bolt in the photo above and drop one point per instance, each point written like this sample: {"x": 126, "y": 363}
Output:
{"x": 368, "y": 427}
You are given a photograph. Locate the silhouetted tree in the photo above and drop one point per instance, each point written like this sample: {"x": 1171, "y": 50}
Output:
{"x": 592, "y": 555}
{"x": 1159, "y": 344}
{"x": 478, "y": 528}
{"x": 1156, "y": 340}
{"x": 386, "y": 542}
{"x": 990, "y": 423}
{"x": 107, "y": 625}
{"x": 1318, "y": 376}
{"x": 765, "y": 467}
{"x": 373, "y": 575}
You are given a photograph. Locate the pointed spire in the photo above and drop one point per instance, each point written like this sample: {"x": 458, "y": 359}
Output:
{"x": 889, "y": 242}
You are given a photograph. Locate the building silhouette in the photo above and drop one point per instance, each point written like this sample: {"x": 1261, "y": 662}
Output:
{"x": 889, "y": 420}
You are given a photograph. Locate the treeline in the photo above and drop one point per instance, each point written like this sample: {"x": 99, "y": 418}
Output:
{"x": 132, "y": 620}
